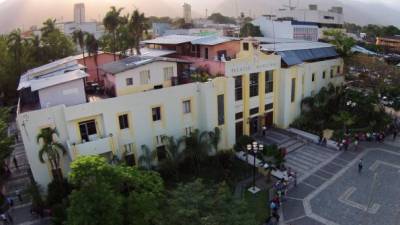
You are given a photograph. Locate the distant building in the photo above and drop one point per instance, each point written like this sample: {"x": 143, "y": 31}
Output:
{"x": 187, "y": 13}
{"x": 390, "y": 44}
{"x": 79, "y": 13}
{"x": 291, "y": 29}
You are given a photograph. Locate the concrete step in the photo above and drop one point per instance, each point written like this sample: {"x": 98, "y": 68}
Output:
{"x": 306, "y": 158}
{"x": 294, "y": 147}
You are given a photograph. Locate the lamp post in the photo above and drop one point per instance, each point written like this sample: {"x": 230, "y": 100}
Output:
{"x": 254, "y": 148}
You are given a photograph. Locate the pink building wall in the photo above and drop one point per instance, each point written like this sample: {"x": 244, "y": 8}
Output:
{"x": 102, "y": 58}
{"x": 231, "y": 48}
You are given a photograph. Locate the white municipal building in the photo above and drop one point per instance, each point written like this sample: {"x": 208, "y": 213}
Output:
{"x": 251, "y": 83}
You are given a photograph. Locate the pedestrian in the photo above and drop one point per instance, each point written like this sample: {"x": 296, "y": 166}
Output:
{"x": 3, "y": 218}
{"x": 10, "y": 202}
{"x": 276, "y": 215}
{"x": 360, "y": 166}
{"x": 264, "y": 131}
{"x": 15, "y": 162}
{"x": 394, "y": 134}
{"x": 356, "y": 145}
{"x": 18, "y": 194}
{"x": 273, "y": 207}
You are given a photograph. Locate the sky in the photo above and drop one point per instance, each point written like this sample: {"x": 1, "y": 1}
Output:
{"x": 25, "y": 13}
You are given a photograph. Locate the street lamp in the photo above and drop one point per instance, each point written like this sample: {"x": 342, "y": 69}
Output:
{"x": 254, "y": 148}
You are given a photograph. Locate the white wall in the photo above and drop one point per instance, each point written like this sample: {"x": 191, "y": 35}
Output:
{"x": 70, "y": 93}
{"x": 156, "y": 74}
{"x": 277, "y": 29}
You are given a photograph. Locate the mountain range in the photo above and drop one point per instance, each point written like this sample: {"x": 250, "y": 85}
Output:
{"x": 25, "y": 13}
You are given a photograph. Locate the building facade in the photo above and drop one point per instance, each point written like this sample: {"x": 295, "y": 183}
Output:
{"x": 252, "y": 87}
{"x": 79, "y": 13}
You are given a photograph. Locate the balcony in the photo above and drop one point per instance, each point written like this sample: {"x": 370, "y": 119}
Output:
{"x": 95, "y": 147}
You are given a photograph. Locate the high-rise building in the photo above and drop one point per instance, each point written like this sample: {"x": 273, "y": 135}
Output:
{"x": 187, "y": 13}
{"x": 79, "y": 13}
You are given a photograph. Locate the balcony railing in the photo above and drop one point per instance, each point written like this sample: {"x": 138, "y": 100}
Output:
{"x": 95, "y": 147}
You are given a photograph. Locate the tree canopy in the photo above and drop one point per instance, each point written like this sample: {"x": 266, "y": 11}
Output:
{"x": 221, "y": 19}
{"x": 342, "y": 42}
{"x": 250, "y": 30}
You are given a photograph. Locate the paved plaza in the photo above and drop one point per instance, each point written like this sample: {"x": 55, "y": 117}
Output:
{"x": 334, "y": 193}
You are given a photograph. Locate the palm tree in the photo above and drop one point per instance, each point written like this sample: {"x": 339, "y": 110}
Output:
{"x": 345, "y": 118}
{"x": 111, "y": 22}
{"x": 215, "y": 137}
{"x": 146, "y": 158}
{"x": 92, "y": 47}
{"x": 15, "y": 43}
{"x": 51, "y": 149}
{"x": 172, "y": 147}
{"x": 78, "y": 36}
{"x": 197, "y": 147}
{"x": 48, "y": 26}
{"x": 137, "y": 26}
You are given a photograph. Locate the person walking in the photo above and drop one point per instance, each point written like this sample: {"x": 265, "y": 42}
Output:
{"x": 3, "y": 218}
{"x": 264, "y": 131}
{"x": 15, "y": 162}
{"x": 356, "y": 145}
{"x": 360, "y": 166}
{"x": 9, "y": 218}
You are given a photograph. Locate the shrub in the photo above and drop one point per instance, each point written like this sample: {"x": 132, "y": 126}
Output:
{"x": 242, "y": 142}
{"x": 57, "y": 191}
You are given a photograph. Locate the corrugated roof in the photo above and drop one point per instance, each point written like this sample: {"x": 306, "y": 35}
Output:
{"x": 295, "y": 57}
{"x": 196, "y": 40}
{"x": 172, "y": 39}
{"x": 56, "y": 80}
{"x": 134, "y": 62}
{"x": 155, "y": 52}
{"x": 294, "y": 46}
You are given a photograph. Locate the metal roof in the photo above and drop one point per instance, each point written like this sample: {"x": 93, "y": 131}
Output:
{"x": 294, "y": 57}
{"x": 196, "y": 40}
{"x": 155, "y": 52}
{"x": 135, "y": 62}
{"x": 300, "y": 45}
{"x": 56, "y": 80}
{"x": 172, "y": 39}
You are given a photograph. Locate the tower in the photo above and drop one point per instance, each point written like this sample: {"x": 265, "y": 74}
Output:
{"x": 187, "y": 13}
{"x": 79, "y": 13}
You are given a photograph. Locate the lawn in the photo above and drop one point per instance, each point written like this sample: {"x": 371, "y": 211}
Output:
{"x": 258, "y": 203}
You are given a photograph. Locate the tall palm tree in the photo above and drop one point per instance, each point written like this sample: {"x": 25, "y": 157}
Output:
{"x": 78, "y": 36}
{"x": 215, "y": 138}
{"x": 172, "y": 148}
{"x": 138, "y": 27}
{"x": 197, "y": 147}
{"x": 92, "y": 47}
{"x": 146, "y": 158}
{"x": 48, "y": 26}
{"x": 111, "y": 22}
{"x": 51, "y": 150}
{"x": 15, "y": 43}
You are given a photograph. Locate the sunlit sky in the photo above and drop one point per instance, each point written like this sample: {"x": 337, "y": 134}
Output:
{"x": 25, "y": 13}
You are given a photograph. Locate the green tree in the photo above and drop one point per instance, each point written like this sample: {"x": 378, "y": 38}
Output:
{"x": 111, "y": 22}
{"x": 197, "y": 148}
{"x": 250, "y": 30}
{"x": 137, "y": 27}
{"x": 215, "y": 138}
{"x": 146, "y": 159}
{"x": 345, "y": 118}
{"x": 342, "y": 42}
{"x": 51, "y": 150}
{"x": 49, "y": 26}
{"x": 195, "y": 204}
{"x": 15, "y": 45}
{"x": 5, "y": 140}
{"x": 221, "y": 19}
{"x": 79, "y": 38}
{"x": 92, "y": 47}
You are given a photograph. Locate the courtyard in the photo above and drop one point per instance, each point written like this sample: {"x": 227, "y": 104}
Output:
{"x": 336, "y": 194}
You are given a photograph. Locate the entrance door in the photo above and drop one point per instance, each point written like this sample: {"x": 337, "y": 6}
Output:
{"x": 253, "y": 125}
{"x": 269, "y": 119}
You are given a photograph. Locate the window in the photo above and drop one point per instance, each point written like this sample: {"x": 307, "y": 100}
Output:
{"x": 159, "y": 140}
{"x": 245, "y": 46}
{"x": 129, "y": 81}
{"x": 331, "y": 73}
{"x": 156, "y": 113}
{"x": 254, "y": 111}
{"x": 221, "y": 109}
{"x": 186, "y": 106}
{"x": 128, "y": 148}
{"x": 313, "y": 77}
{"x": 323, "y": 75}
{"x": 145, "y": 77}
{"x": 253, "y": 84}
{"x": 239, "y": 129}
{"x": 238, "y": 88}
{"x": 206, "y": 53}
{"x": 123, "y": 121}
{"x": 88, "y": 130}
{"x": 168, "y": 73}
{"x": 239, "y": 115}
{"x": 293, "y": 94}
{"x": 188, "y": 131}
{"x": 269, "y": 106}
{"x": 269, "y": 82}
